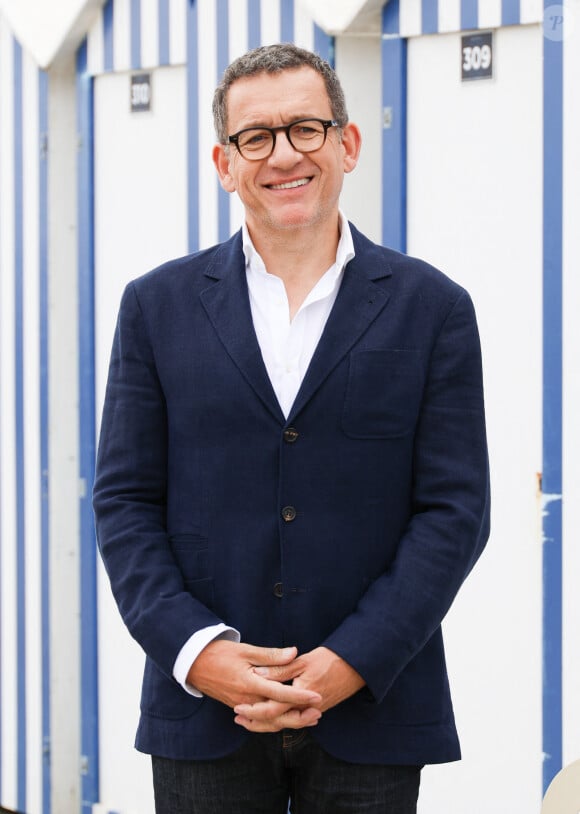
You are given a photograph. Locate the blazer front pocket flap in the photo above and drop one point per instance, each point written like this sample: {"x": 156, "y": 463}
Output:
{"x": 191, "y": 555}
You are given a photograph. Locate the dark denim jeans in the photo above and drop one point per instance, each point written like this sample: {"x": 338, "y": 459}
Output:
{"x": 273, "y": 770}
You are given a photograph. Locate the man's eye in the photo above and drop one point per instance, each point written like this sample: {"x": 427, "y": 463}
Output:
{"x": 305, "y": 130}
{"x": 255, "y": 139}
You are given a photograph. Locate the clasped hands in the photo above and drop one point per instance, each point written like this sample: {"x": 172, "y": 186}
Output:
{"x": 271, "y": 689}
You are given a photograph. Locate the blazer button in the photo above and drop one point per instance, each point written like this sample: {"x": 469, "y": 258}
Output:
{"x": 288, "y": 513}
{"x": 278, "y": 590}
{"x": 290, "y": 435}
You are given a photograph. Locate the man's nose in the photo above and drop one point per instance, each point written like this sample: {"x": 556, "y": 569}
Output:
{"x": 284, "y": 152}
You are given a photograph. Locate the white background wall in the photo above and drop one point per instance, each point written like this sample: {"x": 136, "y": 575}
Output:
{"x": 475, "y": 211}
{"x": 140, "y": 222}
{"x": 19, "y": 449}
{"x": 7, "y": 417}
{"x": 358, "y": 64}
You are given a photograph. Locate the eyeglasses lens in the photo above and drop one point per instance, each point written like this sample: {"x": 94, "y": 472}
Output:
{"x": 305, "y": 136}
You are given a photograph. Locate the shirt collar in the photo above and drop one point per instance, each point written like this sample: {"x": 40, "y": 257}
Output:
{"x": 344, "y": 250}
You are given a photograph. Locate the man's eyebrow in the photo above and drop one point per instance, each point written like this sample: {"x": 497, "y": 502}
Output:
{"x": 291, "y": 120}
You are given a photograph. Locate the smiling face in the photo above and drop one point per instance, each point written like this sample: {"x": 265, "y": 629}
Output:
{"x": 288, "y": 190}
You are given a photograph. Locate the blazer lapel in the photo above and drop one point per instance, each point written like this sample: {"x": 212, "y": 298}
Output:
{"x": 228, "y": 307}
{"x": 227, "y": 304}
{"x": 358, "y": 303}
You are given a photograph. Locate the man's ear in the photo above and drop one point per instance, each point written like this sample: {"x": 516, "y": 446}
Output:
{"x": 222, "y": 165}
{"x": 351, "y": 142}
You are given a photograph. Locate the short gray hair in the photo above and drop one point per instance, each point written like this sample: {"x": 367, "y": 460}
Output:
{"x": 275, "y": 59}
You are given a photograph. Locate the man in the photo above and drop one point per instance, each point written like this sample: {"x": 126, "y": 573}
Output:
{"x": 292, "y": 480}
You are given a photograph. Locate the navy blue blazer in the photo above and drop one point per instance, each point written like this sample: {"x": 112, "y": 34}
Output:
{"x": 384, "y": 470}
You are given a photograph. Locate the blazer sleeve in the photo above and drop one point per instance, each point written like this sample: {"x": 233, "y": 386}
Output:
{"x": 129, "y": 498}
{"x": 449, "y": 522}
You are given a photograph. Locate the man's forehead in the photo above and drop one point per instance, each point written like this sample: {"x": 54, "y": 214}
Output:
{"x": 302, "y": 74}
{"x": 294, "y": 88}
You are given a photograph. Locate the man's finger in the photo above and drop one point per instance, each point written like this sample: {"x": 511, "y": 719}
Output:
{"x": 268, "y": 711}
{"x": 280, "y": 672}
{"x": 286, "y": 693}
{"x": 270, "y": 655}
{"x": 261, "y": 710}
{"x": 292, "y": 719}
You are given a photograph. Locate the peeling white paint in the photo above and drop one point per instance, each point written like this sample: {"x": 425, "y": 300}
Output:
{"x": 546, "y": 500}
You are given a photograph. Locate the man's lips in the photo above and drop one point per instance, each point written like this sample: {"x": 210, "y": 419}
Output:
{"x": 298, "y": 182}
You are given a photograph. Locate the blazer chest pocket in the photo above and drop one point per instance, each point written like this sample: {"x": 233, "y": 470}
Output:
{"x": 383, "y": 393}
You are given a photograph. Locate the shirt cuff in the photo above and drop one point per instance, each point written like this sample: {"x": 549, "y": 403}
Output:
{"x": 193, "y": 647}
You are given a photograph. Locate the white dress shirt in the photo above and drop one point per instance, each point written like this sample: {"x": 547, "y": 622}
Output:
{"x": 287, "y": 347}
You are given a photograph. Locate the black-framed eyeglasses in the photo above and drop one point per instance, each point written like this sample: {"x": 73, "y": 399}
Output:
{"x": 305, "y": 136}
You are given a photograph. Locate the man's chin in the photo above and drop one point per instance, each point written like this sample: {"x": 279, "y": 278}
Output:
{"x": 291, "y": 220}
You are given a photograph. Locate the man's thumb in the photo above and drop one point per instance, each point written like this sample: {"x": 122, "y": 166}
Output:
{"x": 281, "y": 655}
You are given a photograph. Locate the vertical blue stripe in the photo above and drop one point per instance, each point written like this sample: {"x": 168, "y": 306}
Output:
{"x": 287, "y": 20}
{"x": 163, "y": 32}
{"x": 43, "y": 412}
{"x": 223, "y": 31}
{"x": 510, "y": 12}
{"x": 192, "y": 128}
{"x": 394, "y": 69}
{"x": 135, "y": 34}
{"x": 254, "y": 24}
{"x": 469, "y": 16}
{"x": 430, "y": 16}
{"x": 324, "y": 44}
{"x": 552, "y": 409}
{"x": 391, "y": 19}
{"x": 108, "y": 43}
{"x": 86, "y": 379}
{"x": 21, "y": 711}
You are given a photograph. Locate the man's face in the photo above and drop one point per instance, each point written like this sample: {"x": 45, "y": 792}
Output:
{"x": 289, "y": 189}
